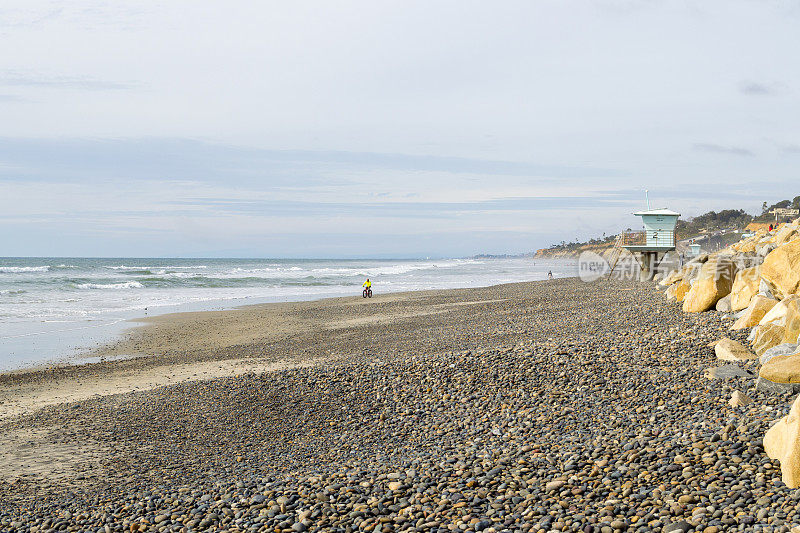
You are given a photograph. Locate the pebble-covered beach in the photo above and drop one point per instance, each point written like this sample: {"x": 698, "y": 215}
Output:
{"x": 534, "y": 407}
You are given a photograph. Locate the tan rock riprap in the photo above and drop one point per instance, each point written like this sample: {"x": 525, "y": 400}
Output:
{"x": 748, "y": 247}
{"x": 713, "y": 283}
{"x": 673, "y": 277}
{"x": 782, "y": 369}
{"x": 672, "y": 292}
{"x": 745, "y": 287}
{"x": 782, "y": 442}
{"x": 759, "y": 306}
{"x": 781, "y": 268}
{"x": 682, "y": 288}
{"x": 777, "y": 315}
{"x": 792, "y": 325}
{"x": 767, "y": 336}
{"x": 764, "y": 294}
{"x": 786, "y": 234}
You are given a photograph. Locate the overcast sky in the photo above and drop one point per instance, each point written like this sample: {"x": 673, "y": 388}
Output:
{"x": 392, "y": 128}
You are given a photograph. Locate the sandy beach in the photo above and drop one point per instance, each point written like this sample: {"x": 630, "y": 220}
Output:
{"x": 525, "y": 407}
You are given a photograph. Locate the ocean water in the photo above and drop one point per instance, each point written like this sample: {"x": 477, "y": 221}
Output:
{"x": 54, "y": 309}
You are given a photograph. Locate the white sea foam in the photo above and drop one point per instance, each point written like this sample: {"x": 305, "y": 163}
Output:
{"x": 18, "y": 269}
{"x": 156, "y": 267}
{"x": 265, "y": 273}
{"x": 124, "y": 285}
{"x": 390, "y": 270}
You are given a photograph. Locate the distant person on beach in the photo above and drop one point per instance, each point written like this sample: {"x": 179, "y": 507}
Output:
{"x": 550, "y": 274}
{"x": 770, "y": 227}
{"x": 367, "y": 284}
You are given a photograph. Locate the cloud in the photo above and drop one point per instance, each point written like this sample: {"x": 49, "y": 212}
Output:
{"x": 200, "y": 194}
{"x": 13, "y": 78}
{"x": 721, "y": 149}
{"x": 86, "y": 15}
{"x": 405, "y": 209}
{"x": 624, "y": 7}
{"x": 21, "y": 18}
{"x": 187, "y": 159}
{"x": 791, "y": 149}
{"x": 341, "y": 111}
{"x": 753, "y": 88}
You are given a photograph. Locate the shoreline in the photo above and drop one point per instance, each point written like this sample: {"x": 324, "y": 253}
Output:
{"x": 135, "y": 326}
{"x": 173, "y": 348}
{"x": 68, "y": 338}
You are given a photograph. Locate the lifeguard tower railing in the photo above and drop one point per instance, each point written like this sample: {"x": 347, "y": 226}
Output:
{"x": 649, "y": 239}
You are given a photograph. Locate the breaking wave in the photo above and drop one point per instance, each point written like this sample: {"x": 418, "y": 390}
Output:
{"x": 125, "y": 285}
{"x": 17, "y": 270}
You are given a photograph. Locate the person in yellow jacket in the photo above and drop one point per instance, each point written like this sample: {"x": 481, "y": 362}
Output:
{"x": 367, "y": 284}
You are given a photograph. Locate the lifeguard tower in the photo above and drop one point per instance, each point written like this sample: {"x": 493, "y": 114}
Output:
{"x": 694, "y": 249}
{"x": 652, "y": 244}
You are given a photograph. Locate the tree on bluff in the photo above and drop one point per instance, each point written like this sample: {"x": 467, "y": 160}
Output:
{"x": 713, "y": 220}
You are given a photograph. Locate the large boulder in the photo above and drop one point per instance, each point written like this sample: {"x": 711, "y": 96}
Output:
{"x": 724, "y": 304}
{"x": 759, "y": 306}
{"x": 781, "y": 268}
{"x": 748, "y": 247}
{"x": 777, "y": 315}
{"x": 766, "y": 336}
{"x": 671, "y": 292}
{"x": 682, "y": 289}
{"x": 673, "y": 277}
{"x": 764, "y": 385}
{"x": 782, "y": 349}
{"x": 692, "y": 270}
{"x": 782, "y": 369}
{"x": 785, "y": 234}
{"x": 792, "y": 325}
{"x": 745, "y": 286}
{"x": 729, "y": 350}
{"x": 762, "y": 250}
{"x": 782, "y": 442}
{"x": 765, "y": 289}
{"x": 713, "y": 283}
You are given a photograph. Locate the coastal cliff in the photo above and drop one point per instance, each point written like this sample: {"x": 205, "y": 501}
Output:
{"x": 574, "y": 252}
